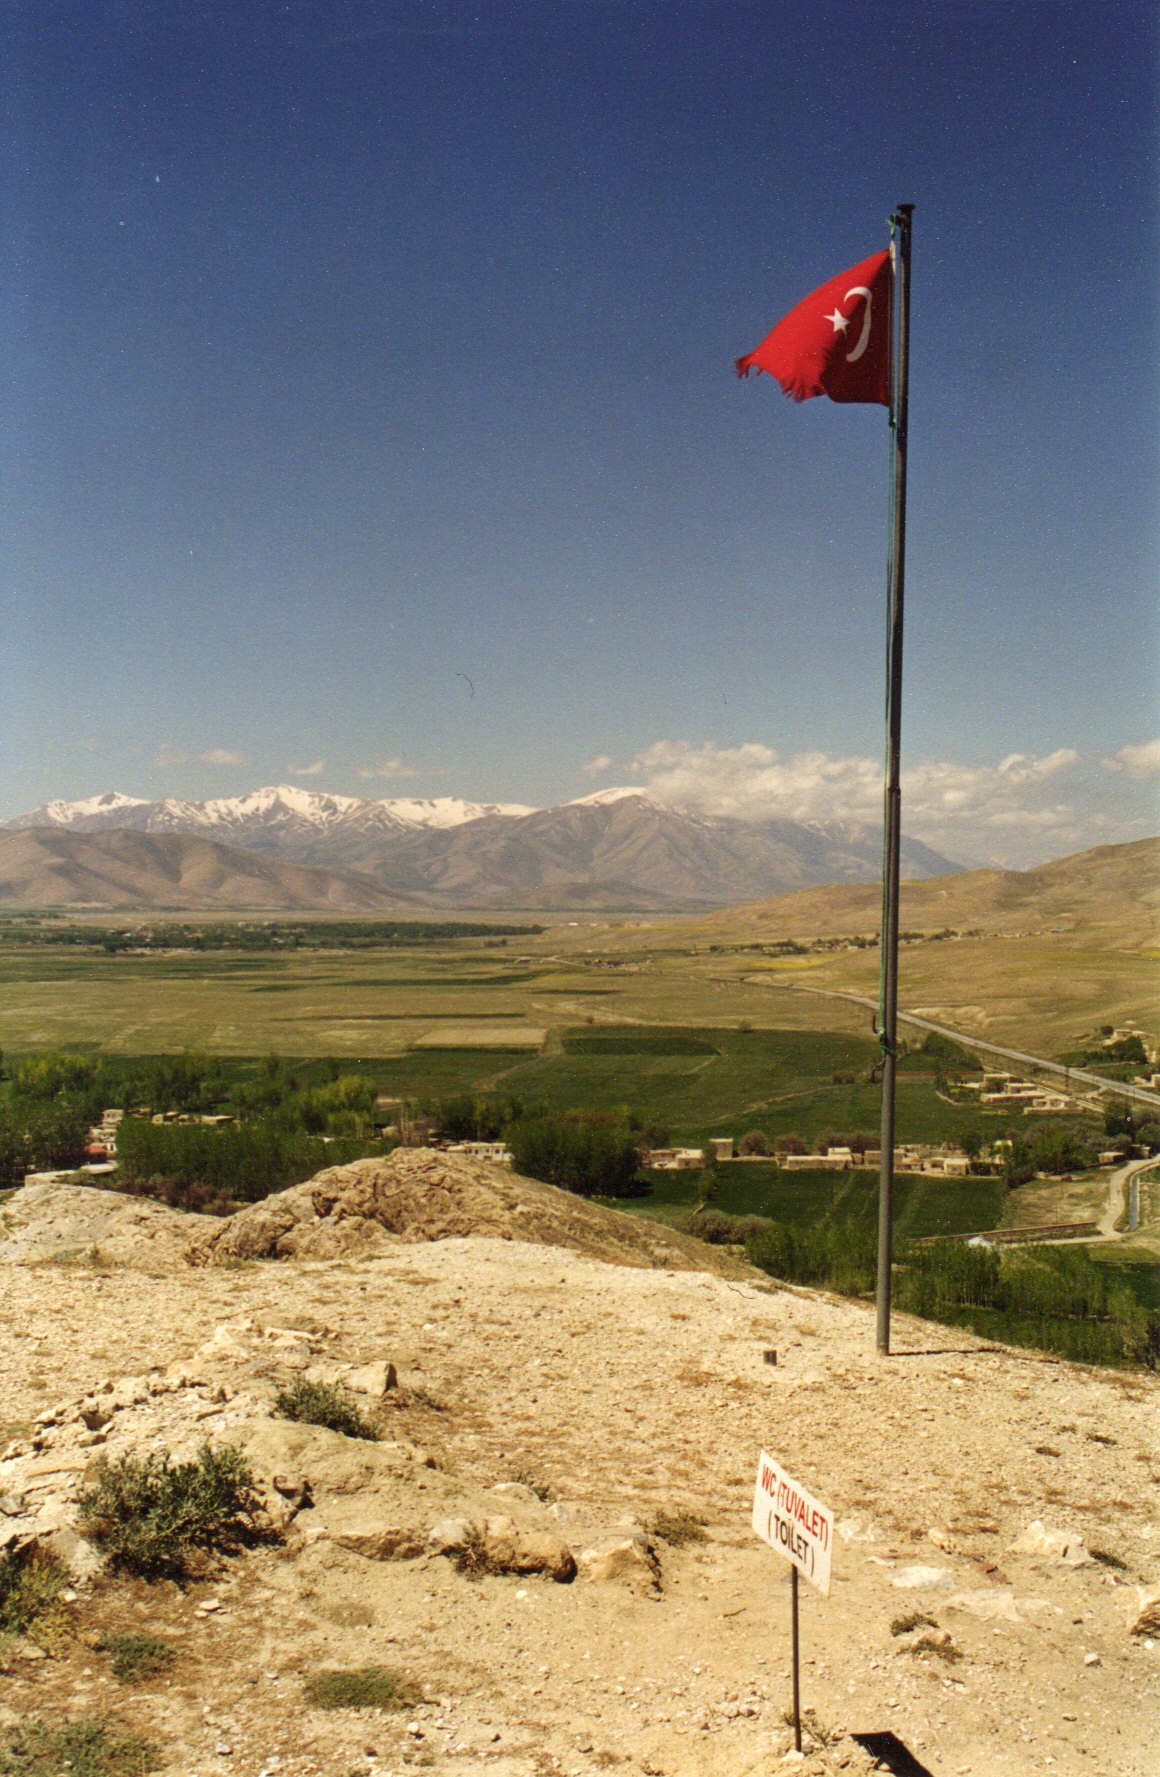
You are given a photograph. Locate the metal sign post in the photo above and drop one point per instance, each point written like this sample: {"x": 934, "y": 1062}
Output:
{"x": 797, "y": 1689}
{"x": 798, "y": 1527}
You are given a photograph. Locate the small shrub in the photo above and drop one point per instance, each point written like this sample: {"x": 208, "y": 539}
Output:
{"x": 361, "y": 1687}
{"x": 677, "y": 1528}
{"x": 320, "y": 1403}
{"x": 418, "y": 1395}
{"x": 151, "y": 1516}
{"x": 915, "y": 1619}
{"x": 541, "y": 1489}
{"x": 92, "y": 1747}
{"x": 476, "y": 1557}
{"x": 30, "y": 1582}
{"x": 138, "y": 1656}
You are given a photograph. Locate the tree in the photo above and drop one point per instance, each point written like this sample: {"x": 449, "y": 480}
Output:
{"x": 755, "y": 1142}
{"x": 971, "y": 1142}
{"x": 1118, "y": 1118}
{"x": 578, "y": 1156}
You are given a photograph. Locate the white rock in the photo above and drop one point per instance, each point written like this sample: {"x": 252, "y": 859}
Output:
{"x": 375, "y": 1379}
{"x": 1056, "y": 1545}
{"x": 448, "y": 1534}
{"x": 995, "y": 1604}
{"x": 919, "y": 1578}
{"x": 1148, "y": 1616}
{"x": 380, "y": 1542}
{"x": 859, "y": 1530}
{"x": 630, "y": 1561}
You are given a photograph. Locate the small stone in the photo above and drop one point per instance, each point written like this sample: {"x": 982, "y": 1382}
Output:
{"x": 629, "y": 1561}
{"x": 1148, "y": 1620}
{"x": 449, "y": 1534}
{"x": 374, "y": 1379}
{"x": 919, "y": 1578}
{"x": 1056, "y": 1545}
{"x": 381, "y": 1542}
{"x": 1092, "y": 1660}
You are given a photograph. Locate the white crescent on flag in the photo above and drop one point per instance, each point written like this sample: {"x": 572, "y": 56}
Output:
{"x": 864, "y": 336}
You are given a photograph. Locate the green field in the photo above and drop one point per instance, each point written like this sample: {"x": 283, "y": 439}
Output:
{"x": 922, "y": 1205}
{"x": 664, "y": 1038}
{"x": 591, "y": 1013}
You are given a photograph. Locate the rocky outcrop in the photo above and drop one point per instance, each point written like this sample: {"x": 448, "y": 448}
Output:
{"x": 48, "y": 1221}
{"x": 418, "y": 1194}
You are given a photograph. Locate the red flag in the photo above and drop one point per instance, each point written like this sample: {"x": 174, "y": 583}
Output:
{"x": 836, "y": 342}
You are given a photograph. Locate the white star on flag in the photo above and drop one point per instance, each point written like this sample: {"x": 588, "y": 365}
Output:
{"x": 841, "y": 321}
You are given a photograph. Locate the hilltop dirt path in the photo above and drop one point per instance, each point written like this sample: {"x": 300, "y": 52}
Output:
{"x": 624, "y": 1392}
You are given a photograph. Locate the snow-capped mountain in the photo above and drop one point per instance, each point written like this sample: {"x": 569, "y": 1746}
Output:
{"x": 613, "y": 848}
{"x": 278, "y": 818}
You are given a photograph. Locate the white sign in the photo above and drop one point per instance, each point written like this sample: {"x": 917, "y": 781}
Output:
{"x": 791, "y": 1521}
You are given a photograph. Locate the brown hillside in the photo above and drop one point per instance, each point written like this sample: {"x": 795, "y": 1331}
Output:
{"x": 45, "y": 867}
{"x": 1111, "y": 893}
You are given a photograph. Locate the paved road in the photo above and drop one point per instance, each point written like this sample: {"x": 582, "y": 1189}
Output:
{"x": 1140, "y": 1094}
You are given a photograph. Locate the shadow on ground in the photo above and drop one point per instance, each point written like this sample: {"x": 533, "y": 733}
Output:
{"x": 892, "y": 1755}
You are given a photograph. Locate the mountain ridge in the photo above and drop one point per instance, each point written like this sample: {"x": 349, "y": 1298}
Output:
{"x": 119, "y": 868}
{"x": 614, "y": 849}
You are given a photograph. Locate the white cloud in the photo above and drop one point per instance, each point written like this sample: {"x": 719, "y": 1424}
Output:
{"x": 315, "y": 770}
{"x": 222, "y": 756}
{"x": 386, "y": 768}
{"x": 169, "y": 755}
{"x": 1025, "y": 768}
{"x": 596, "y": 767}
{"x": 750, "y": 782}
{"x": 1024, "y": 810}
{"x": 1139, "y": 762}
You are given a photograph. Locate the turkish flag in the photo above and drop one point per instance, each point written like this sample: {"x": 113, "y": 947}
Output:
{"x": 836, "y": 342}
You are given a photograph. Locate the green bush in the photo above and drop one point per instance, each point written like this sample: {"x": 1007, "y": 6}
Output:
{"x": 718, "y": 1229}
{"x": 30, "y": 1582}
{"x": 152, "y": 1516}
{"x": 360, "y": 1687}
{"x": 91, "y": 1747}
{"x": 320, "y": 1403}
{"x": 137, "y": 1656}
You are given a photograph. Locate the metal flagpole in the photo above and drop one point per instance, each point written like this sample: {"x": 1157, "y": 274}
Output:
{"x": 892, "y": 800}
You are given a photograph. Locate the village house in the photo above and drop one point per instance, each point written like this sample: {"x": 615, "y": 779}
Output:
{"x": 495, "y": 1151}
{"x": 675, "y": 1159}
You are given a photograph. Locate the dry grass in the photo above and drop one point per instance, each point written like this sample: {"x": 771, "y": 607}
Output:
{"x": 677, "y": 1527}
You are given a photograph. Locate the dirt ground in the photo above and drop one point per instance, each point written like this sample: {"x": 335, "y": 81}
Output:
{"x": 618, "y": 1392}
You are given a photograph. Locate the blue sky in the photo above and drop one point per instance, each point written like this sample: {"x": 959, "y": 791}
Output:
{"x": 371, "y": 422}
